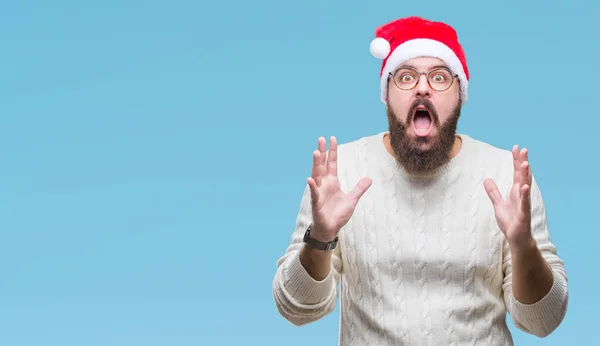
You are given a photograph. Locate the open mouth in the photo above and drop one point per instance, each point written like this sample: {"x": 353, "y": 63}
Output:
{"x": 422, "y": 121}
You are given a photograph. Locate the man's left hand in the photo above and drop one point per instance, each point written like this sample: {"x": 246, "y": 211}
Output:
{"x": 514, "y": 214}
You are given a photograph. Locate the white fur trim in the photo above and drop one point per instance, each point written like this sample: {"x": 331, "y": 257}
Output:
{"x": 420, "y": 48}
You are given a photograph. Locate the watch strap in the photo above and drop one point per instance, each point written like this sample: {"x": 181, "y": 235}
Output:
{"x": 317, "y": 244}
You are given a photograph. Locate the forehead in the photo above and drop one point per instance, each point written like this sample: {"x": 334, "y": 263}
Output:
{"x": 424, "y": 63}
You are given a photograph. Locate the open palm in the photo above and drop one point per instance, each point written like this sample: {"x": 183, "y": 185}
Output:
{"x": 514, "y": 214}
{"x": 331, "y": 207}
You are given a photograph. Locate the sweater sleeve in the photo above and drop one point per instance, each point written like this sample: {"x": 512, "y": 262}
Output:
{"x": 544, "y": 316}
{"x": 298, "y": 297}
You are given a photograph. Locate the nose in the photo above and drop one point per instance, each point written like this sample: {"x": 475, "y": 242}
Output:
{"x": 422, "y": 89}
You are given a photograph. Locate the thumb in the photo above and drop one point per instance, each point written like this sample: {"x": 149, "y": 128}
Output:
{"x": 359, "y": 190}
{"x": 314, "y": 190}
{"x": 492, "y": 190}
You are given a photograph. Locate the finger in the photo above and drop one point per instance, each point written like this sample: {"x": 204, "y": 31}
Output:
{"x": 316, "y": 168}
{"x": 525, "y": 158}
{"x": 359, "y": 190}
{"x": 516, "y": 163}
{"x": 492, "y": 190}
{"x": 516, "y": 157}
{"x": 323, "y": 151}
{"x": 525, "y": 209}
{"x": 332, "y": 157}
{"x": 524, "y": 154}
{"x": 524, "y": 174}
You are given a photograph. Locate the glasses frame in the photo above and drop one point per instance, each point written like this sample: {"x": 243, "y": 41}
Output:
{"x": 419, "y": 74}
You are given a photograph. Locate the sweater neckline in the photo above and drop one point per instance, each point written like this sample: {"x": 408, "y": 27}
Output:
{"x": 447, "y": 168}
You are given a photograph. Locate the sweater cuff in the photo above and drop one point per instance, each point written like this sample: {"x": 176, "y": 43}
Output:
{"x": 550, "y": 308}
{"x": 303, "y": 287}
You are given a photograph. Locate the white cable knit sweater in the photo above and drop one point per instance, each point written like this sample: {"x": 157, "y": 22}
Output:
{"x": 421, "y": 262}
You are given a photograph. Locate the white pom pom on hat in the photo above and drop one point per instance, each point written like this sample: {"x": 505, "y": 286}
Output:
{"x": 380, "y": 48}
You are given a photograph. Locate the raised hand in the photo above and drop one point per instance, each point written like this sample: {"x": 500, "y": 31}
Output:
{"x": 514, "y": 214}
{"x": 331, "y": 207}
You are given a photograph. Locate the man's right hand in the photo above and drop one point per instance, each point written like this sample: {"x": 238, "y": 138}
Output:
{"x": 331, "y": 208}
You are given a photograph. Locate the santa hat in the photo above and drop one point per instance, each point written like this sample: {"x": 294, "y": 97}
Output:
{"x": 411, "y": 37}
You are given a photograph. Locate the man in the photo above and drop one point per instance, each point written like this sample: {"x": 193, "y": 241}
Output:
{"x": 432, "y": 236}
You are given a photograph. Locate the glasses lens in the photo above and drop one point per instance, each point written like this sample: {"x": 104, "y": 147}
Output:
{"x": 440, "y": 79}
{"x": 406, "y": 78}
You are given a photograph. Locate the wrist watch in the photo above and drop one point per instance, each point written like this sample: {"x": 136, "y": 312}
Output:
{"x": 319, "y": 245}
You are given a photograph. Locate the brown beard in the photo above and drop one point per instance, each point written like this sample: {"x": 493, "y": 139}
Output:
{"x": 408, "y": 152}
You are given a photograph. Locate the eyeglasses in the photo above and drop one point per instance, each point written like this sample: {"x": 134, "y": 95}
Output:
{"x": 439, "y": 79}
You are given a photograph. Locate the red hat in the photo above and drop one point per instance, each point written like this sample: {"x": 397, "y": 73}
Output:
{"x": 411, "y": 37}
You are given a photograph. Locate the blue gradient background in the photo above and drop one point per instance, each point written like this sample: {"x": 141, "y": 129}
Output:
{"x": 153, "y": 154}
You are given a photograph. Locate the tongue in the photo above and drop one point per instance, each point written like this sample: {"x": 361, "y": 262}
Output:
{"x": 422, "y": 121}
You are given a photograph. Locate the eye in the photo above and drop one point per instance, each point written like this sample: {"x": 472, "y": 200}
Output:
{"x": 439, "y": 78}
{"x": 406, "y": 78}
